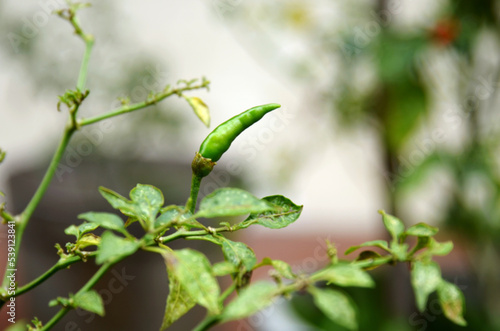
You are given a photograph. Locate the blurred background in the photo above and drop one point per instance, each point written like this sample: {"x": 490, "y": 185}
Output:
{"x": 386, "y": 105}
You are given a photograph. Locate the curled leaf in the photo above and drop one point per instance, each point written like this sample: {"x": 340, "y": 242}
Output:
{"x": 200, "y": 109}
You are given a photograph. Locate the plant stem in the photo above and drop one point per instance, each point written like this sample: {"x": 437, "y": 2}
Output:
{"x": 46, "y": 275}
{"x": 90, "y": 283}
{"x": 23, "y": 218}
{"x": 129, "y": 108}
{"x": 6, "y": 216}
{"x": 207, "y": 323}
{"x": 82, "y": 77}
{"x": 56, "y": 318}
{"x": 193, "y": 197}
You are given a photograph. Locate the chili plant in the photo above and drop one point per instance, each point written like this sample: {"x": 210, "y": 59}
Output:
{"x": 192, "y": 278}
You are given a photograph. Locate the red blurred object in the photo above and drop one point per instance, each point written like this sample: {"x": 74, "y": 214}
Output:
{"x": 445, "y": 31}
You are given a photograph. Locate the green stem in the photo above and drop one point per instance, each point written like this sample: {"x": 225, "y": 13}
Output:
{"x": 193, "y": 197}
{"x": 207, "y": 323}
{"x": 49, "y": 174}
{"x": 373, "y": 263}
{"x": 56, "y": 318}
{"x": 82, "y": 77}
{"x": 46, "y": 275}
{"x": 91, "y": 283}
{"x": 186, "y": 234}
{"x": 129, "y": 108}
{"x": 6, "y": 216}
{"x": 227, "y": 292}
{"x": 23, "y": 219}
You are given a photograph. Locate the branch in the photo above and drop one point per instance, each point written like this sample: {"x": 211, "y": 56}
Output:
{"x": 150, "y": 101}
{"x": 91, "y": 283}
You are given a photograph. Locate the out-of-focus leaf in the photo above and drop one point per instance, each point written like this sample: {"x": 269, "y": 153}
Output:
{"x": 253, "y": 298}
{"x": 452, "y": 301}
{"x": 193, "y": 270}
{"x": 336, "y": 306}
{"x": 345, "y": 274}
{"x": 425, "y": 278}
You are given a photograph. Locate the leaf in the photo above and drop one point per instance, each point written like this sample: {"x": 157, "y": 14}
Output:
{"x": 283, "y": 268}
{"x": 251, "y": 299}
{"x": 238, "y": 254}
{"x": 89, "y": 301}
{"x": 288, "y": 213}
{"x": 425, "y": 278}
{"x": 194, "y": 272}
{"x": 393, "y": 225}
{"x": 179, "y": 302}
{"x": 113, "y": 248}
{"x": 344, "y": 274}
{"x": 116, "y": 200}
{"x": 452, "y": 302}
{"x": 421, "y": 230}
{"x": 369, "y": 256}
{"x": 72, "y": 230}
{"x": 88, "y": 239}
{"x": 400, "y": 251}
{"x": 147, "y": 201}
{"x": 168, "y": 217}
{"x": 200, "y": 109}
{"x": 336, "y": 306}
{"x": 176, "y": 216}
{"x": 87, "y": 227}
{"x": 376, "y": 243}
{"x": 224, "y": 268}
{"x": 105, "y": 220}
{"x": 437, "y": 248}
{"x": 232, "y": 202}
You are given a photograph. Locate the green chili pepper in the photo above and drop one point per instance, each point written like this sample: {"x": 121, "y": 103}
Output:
{"x": 219, "y": 140}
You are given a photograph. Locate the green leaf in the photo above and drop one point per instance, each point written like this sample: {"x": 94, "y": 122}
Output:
{"x": 147, "y": 201}
{"x": 344, "y": 274}
{"x": 371, "y": 258}
{"x": 238, "y": 254}
{"x": 104, "y": 220}
{"x": 113, "y": 248}
{"x": 251, "y": 299}
{"x": 336, "y": 306}
{"x": 421, "y": 230}
{"x": 422, "y": 242}
{"x": 452, "y": 301}
{"x": 224, "y": 268}
{"x": 72, "y": 230}
{"x": 232, "y": 202}
{"x": 400, "y": 251}
{"x": 117, "y": 201}
{"x": 20, "y": 326}
{"x": 283, "y": 268}
{"x": 425, "y": 278}
{"x": 395, "y": 227}
{"x": 176, "y": 216}
{"x": 88, "y": 239}
{"x": 168, "y": 217}
{"x": 194, "y": 272}
{"x": 87, "y": 227}
{"x": 278, "y": 219}
{"x": 179, "y": 302}
{"x": 376, "y": 243}
{"x": 89, "y": 301}
{"x": 437, "y": 248}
